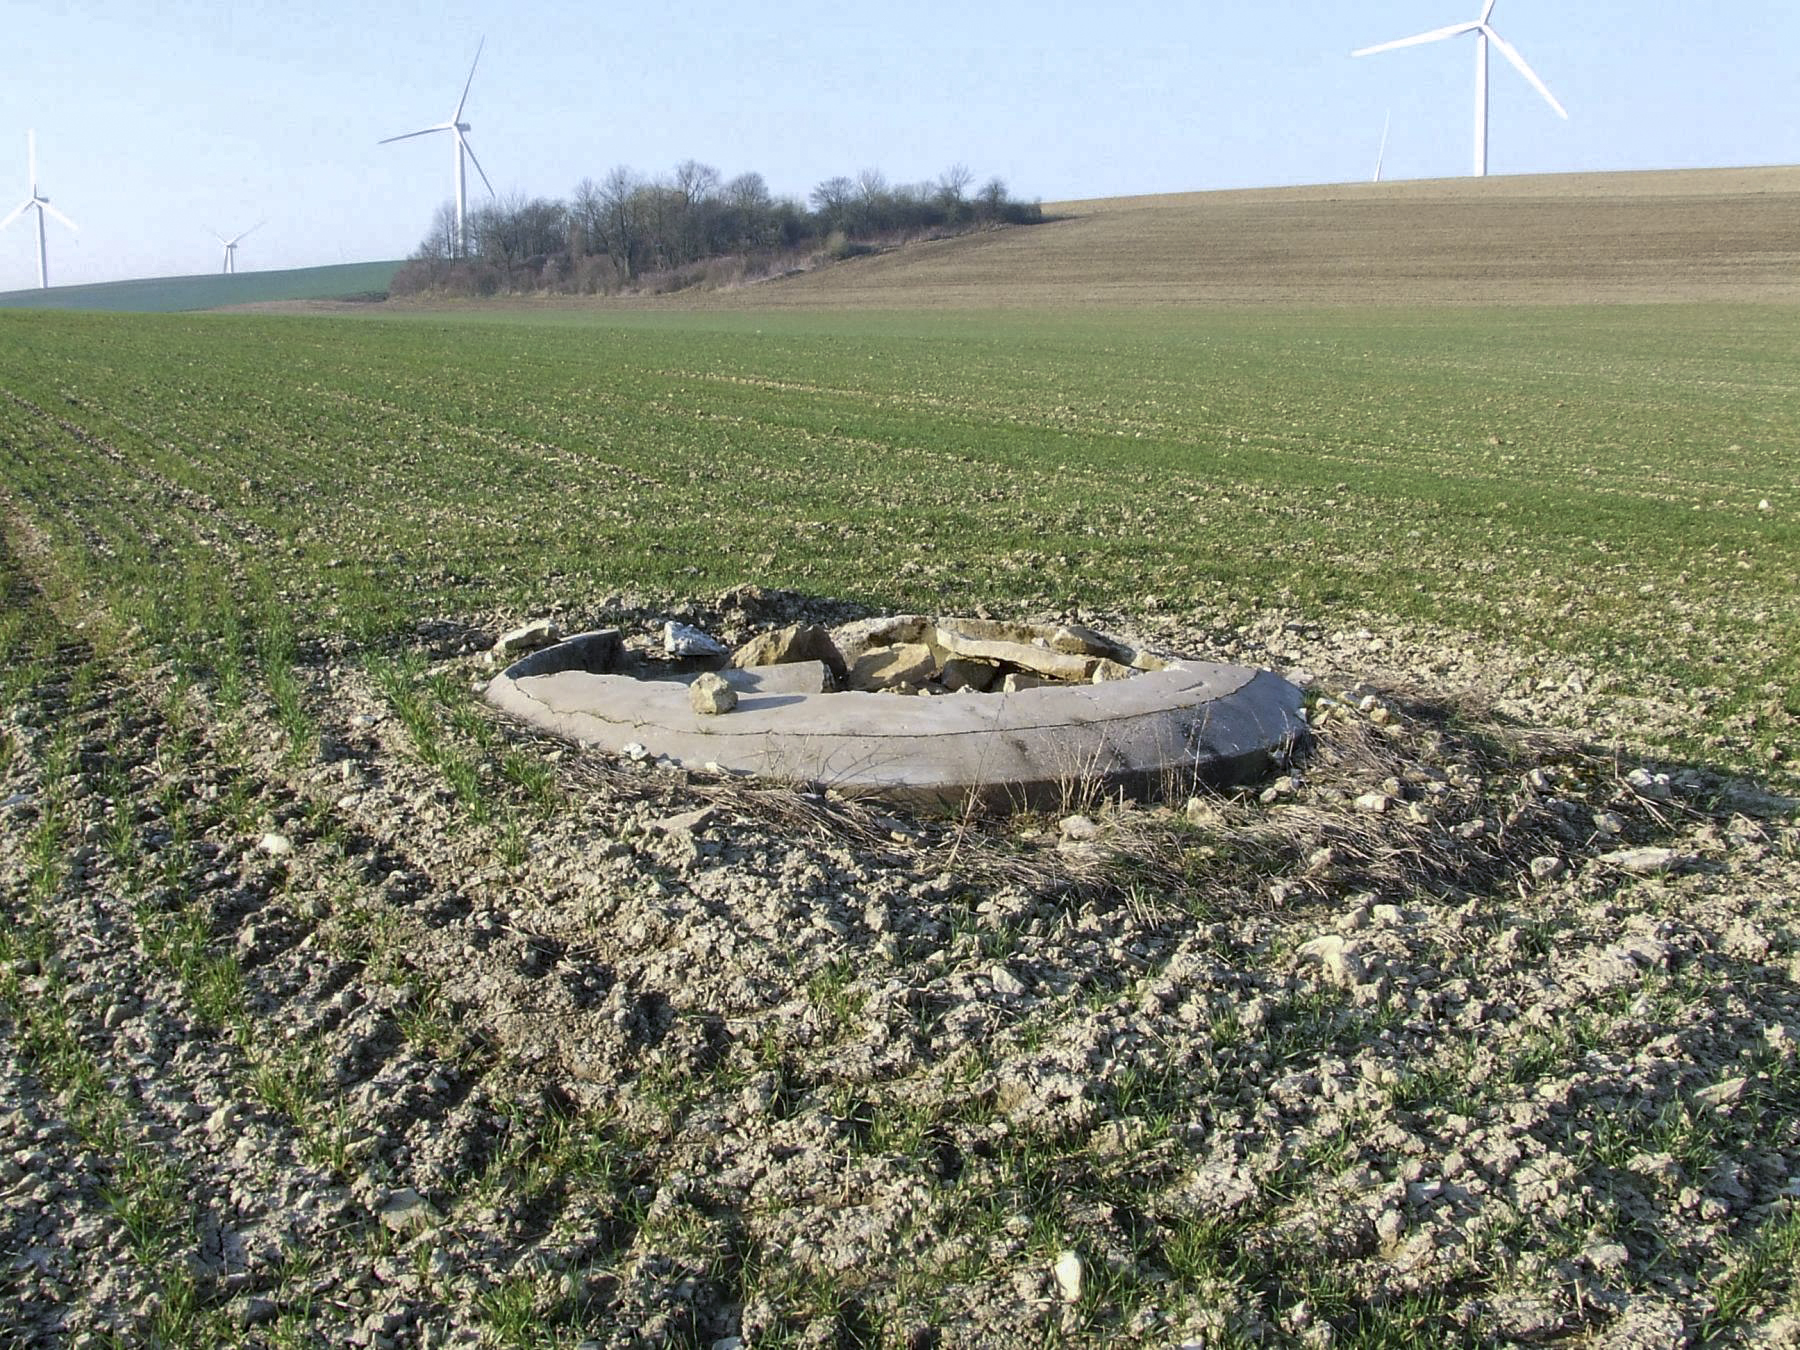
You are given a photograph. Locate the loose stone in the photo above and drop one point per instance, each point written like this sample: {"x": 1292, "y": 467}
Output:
{"x": 406, "y": 1210}
{"x": 680, "y": 639}
{"x": 710, "y": 695}
{"x": 887, "y": 667}
{"x": 796, "y": 642}
{"x": 1642, "y": 861}
{"x": 532, "y": 636}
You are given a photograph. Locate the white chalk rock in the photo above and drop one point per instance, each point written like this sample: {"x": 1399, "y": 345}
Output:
{"x": 1068, "y": 1273}
{"x": 681, "y": 639}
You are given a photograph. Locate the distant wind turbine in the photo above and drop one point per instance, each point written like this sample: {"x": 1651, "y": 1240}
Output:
{"x": 1381, "y": 154}
{"x": 460, "y": 142}
{"x": 1484, "y": 34}
{"x": 41, "y": 204}
{"x": 229, "y": 267}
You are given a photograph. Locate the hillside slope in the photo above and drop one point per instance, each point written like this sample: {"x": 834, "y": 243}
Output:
{"x": 211, "y": 290}
{"x": 1690, "y": 235}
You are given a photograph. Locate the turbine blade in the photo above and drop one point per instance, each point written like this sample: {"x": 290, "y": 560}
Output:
{"x": 389, "y": 140}
{"x": 471, "y": 80}
{"x": 31, "y": 154}
{"x": 477, "y": 163}
{"x": 1435, "y": 35}
{"x": 1511, "y": 53}
{"x": 252, "y": 230}
{"x": 1487, "y": 11}
{"x": 45, "y": 206}
{"x": 23, "y": 208}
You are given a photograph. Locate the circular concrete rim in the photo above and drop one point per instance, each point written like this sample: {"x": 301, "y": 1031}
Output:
{"x": 1194, "y": 721}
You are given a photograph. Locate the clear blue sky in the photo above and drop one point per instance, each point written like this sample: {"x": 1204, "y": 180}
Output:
{"x": 156, "y": 122}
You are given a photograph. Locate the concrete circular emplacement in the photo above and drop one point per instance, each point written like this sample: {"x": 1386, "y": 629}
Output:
{"x": 1160, "y": 726}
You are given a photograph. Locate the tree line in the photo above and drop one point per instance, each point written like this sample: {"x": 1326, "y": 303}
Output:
{"x": 693, "y": 227}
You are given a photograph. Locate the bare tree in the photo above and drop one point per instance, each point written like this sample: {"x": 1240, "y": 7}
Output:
{"x": 953, "y": 193}
{"x": 620, "y": 219}
{"x": 832, "y": 200}
{"x": 953, "y": 184}
{"x": 991, "y": 200}
{"x": 439, "y": 243}
{"x": 748, "y": 192}
{"x": 695, "y": 183}
{"x": 587, "y": 217}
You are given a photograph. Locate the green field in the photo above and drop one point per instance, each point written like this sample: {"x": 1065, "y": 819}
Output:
{"x": 168, "y": 295}
{"x": 337, "y": 1009}
{"x": 1585, "y": 483}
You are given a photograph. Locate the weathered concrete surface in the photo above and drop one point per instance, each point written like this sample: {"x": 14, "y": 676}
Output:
{"x": 1219, "y": 723}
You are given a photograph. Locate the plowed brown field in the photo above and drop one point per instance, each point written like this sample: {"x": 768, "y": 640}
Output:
{"x": 1691, "y": 235}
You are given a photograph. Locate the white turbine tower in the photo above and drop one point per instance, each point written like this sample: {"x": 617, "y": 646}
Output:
{"x": 229, "y": 267}
{"x": 460, "y": 145}
{"x": 41, "y": 204}
{"x": 1484, "y": 34}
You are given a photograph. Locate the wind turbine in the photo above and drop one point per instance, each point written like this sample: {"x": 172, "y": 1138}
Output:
{"x": 41, "y": 204}
{"x": 460, "y": 143}
{"x": 1484, "y": 34}
{"x": 229, "y": 268}
{"x": 1381, "y": 154}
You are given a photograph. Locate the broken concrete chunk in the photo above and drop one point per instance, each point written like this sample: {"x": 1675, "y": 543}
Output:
{"x": 1086, "y": 642}
{"x": 1106, "y": 669}
{"x": 529, "y": 638}
{"x": 710, "y": 695}
{"x": 853, "y": 639}
{"x": 681, "y": 639}
{"x": 1029, "y": 656}
{"x": 796, "y": 642}
{"x": 887, "y": 667}
{"x": 1017, "y": 682}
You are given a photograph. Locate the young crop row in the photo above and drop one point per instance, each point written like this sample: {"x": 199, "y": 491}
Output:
{"x": 1592, "y": 484}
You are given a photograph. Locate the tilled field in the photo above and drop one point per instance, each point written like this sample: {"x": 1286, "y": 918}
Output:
{"x": 411, "y": 1030}
{"x": 1715, "y": 235}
